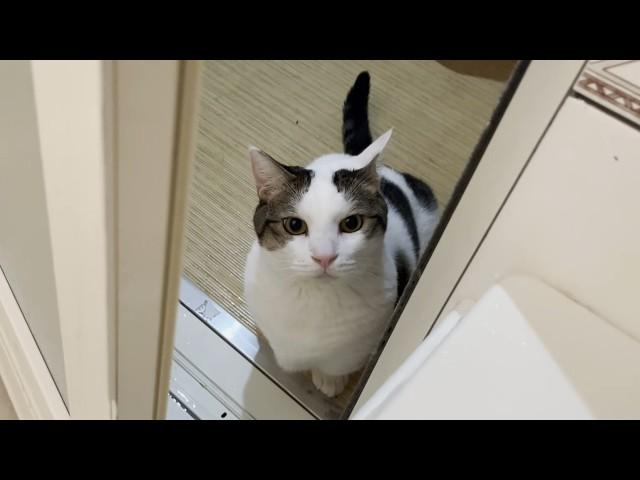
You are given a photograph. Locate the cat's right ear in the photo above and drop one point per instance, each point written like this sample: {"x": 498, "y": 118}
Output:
{"x": 373, "y": 151}
{"x": 268, "y": 174}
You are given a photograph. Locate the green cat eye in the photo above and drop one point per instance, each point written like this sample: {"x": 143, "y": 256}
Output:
{"x": 351, "y": 224}
{"x": 295, "y": 226}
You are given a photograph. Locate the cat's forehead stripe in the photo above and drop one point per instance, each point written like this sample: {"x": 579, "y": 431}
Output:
{"x": 361, "y": 188}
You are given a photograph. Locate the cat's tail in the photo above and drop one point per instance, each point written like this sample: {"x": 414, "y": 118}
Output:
{"x": 356, "y": 135}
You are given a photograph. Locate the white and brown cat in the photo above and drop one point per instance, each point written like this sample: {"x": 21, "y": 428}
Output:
{"x": 336, "y": 243}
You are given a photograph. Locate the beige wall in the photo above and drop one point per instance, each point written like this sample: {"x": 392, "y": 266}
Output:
{"x": 25, "y": 247}
{"x": 573, "y": 220}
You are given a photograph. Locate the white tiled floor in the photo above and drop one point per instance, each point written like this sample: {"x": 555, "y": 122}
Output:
{"x": 6, "y": 409}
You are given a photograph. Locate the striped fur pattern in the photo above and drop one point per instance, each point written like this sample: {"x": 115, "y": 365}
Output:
{"x": 336, "y": 244}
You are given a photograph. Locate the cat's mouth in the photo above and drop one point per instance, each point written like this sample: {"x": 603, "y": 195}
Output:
{"x": 325, "y": 274}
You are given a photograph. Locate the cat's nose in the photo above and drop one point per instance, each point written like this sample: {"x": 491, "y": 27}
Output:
{"x": 325, "y": 260}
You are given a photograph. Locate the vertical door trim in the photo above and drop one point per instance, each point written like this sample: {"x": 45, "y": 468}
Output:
{"x": 70, "y": 101}
{"x": 155, "y": 127}
{"x": 185, "y": 149}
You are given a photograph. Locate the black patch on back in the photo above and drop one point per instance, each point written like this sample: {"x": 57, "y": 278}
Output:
{"x": 422, "y": 191}
{"x": 400, "y": 202}
{"x": 403, "y": 273}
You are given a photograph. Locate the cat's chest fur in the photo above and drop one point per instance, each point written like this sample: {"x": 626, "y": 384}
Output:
{"x": 326, "y": 323}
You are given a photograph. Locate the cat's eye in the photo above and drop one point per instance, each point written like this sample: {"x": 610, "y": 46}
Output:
{"x": 351, "y": 224}
{"x": 295, "y": 226}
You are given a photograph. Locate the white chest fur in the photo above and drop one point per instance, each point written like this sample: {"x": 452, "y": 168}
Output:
{"x": 330, "y": 324}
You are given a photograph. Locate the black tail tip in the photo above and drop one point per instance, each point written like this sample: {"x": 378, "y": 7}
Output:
{"x": 362, "y": 81}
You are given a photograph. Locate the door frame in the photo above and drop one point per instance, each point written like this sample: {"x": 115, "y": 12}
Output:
{"x": 116, "y": 143}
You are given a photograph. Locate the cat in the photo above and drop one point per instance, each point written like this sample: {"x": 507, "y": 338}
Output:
{"x": 337, "y": 242}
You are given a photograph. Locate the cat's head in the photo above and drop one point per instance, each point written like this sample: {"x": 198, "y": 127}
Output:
{"x": 325, "y": 220}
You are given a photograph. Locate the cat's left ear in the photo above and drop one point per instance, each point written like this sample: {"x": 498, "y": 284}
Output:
{"x": 373, "y": 151}
{"x": 270, "y": 176}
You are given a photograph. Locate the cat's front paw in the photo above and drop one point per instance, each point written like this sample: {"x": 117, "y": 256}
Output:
{"x": 330, "y": 385}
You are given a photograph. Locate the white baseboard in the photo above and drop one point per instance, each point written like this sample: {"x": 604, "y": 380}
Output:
{"x": 22, "y": 368}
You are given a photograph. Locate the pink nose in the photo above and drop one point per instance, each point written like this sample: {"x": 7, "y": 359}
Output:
{"x": 325, "y": 260}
